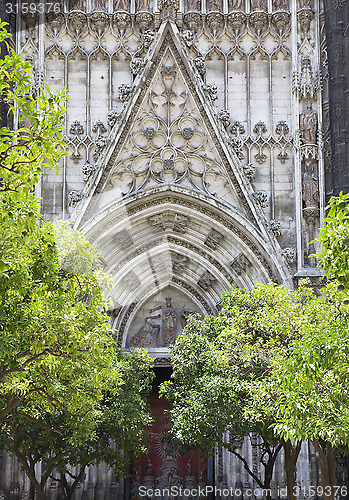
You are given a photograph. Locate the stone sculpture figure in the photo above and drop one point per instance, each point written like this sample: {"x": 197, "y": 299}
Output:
{"x": 235, "y": 5}
{"x": 258, "y": 4}
{"x": 122, "y": 5}
{"x": 308, "y": 125}
{"x": 194, "y": 5}
{"x": 169, "y": 323}
{"x": 310, "y": 186}
{"x": 99, "y": 4}
{"x": 77, "y": 5}
{"x": 280, "y": 4}
{"x": 214, "y": 5}
{"x": 146, "y": 335}
{"x": 142, "y": 5}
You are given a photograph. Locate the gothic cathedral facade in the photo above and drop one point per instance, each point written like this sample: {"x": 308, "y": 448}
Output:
{"x": 199, "y": 155}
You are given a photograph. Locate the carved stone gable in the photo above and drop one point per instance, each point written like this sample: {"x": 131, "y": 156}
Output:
{"x": 169, "y": 133}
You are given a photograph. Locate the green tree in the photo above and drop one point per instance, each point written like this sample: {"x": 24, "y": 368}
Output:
{"x": 313, "y": 379}
{"x": 271, "y": 362}
{"x": 220, "y": 364}
{"x": 59, "y": 443}
{"x": 58, "y": 359}
{"x": 334, "y": 238}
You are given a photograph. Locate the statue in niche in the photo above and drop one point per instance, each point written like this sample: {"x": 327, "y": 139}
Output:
{"x": 280, "y": 4}
{"x": 258, "y": 4}
{"x": 77, "y": 5}
{"x": 142, "y": 5}
{"x": 146, "y": 335}
{"x": 169, "y": 323}
{"x": 122, "y": 5}
{"x": 194, "y": 5}
{"x": 214, "y": 5}
{"x": 305, "y": 4}
{"x": 310, "y": 185}
{"x": 308, "y": 125}
{"x": 99, "y": 4}
{"x": 235, "y": 5}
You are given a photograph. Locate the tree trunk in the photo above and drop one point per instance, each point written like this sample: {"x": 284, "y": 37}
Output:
{"x": 291, "y": 457}
{"x": 327, "y": 464}
{"x": 31, "y": 492}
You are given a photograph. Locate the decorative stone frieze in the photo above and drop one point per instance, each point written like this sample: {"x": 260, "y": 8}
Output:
{"x": 215, "y": 21}
{"x": 122, "y": 20}
{"x": 144, "y": 20}
{"x": 305, "y": 17}
{"x": 309, "y": 152}
{"x": 193, "y": 21}
{"x": 77, "y": 22}
{"x": 99, "y": 22}
{"x": 131, "y": 280}
{"x": 281, "y": 21}
{"x": 124, "y": 240}
{"x": 259, "y": 22}
{"x": 237, "y": 21}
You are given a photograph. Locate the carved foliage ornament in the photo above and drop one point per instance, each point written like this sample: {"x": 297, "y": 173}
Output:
{"x": 74, "y": 197}
{"x": 88, "y": 170}
{"x": 261, "y": 197}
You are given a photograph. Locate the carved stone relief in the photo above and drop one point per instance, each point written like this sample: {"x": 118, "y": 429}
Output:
{"x": 213, "y": 239}
{"x": 162, "y": 222}
{"x": 123, "y": 240}
{"x": 240, "y": 264}
{"x": 206, "y": 280}
{"x": 179, "y": 263}
{"x": 162, "y": 325}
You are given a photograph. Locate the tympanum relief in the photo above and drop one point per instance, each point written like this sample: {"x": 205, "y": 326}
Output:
{"x": 162, "y": 325}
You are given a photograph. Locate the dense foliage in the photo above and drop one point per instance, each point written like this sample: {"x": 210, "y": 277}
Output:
{"x": 334, "y": 238}
{"x": 63, "y": 383}
{"x": 271, "y": 362}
